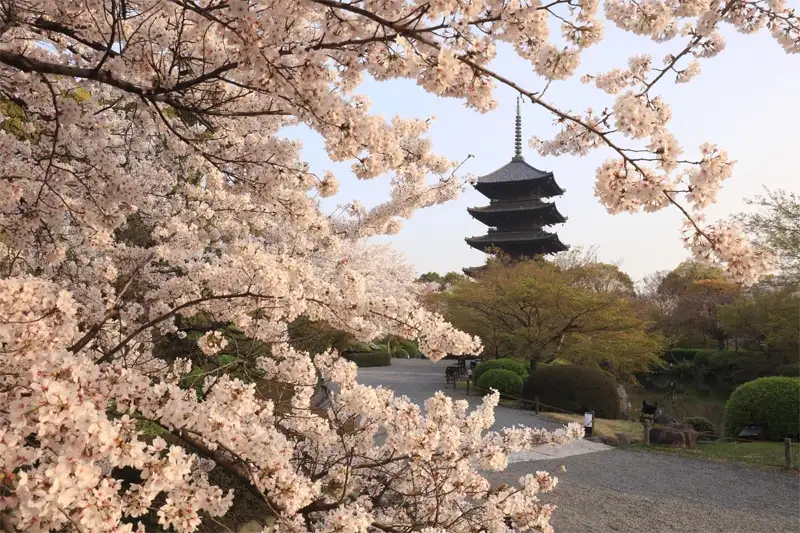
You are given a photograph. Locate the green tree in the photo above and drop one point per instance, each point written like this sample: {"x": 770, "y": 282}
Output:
{"x": 767, "y": 314}
{"x": 775, "y": 227}
{"x": 444, "y": 282}
{"x": 698, "y": 306}
{"x": 673, "y": 301}
{"x": 536, "y": 311}
{"x": 430, "y": 277}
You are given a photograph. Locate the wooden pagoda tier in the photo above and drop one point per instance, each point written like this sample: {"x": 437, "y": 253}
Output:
{"x": 516, "y": 214}
{"x": 518, "y": 244}
{"x": 525, "y": 213}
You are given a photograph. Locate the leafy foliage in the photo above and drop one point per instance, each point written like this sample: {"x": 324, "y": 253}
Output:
{"x": 369, "y": 359}
{"x": 574, "y": 388}
{"x": 400, "y": 353}
{"x": 504, "y": 381}
{"x": 702, "y": 425}
{"x": 776, "y": 228}
{"x": 770, "y": 401}
{"x": 512, "y": 365}
{"x": 538, "y": 311}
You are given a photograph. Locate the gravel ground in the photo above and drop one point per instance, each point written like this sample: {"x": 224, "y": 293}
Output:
{"x": 628, "y": 491}
{"x": 419, "y": 379}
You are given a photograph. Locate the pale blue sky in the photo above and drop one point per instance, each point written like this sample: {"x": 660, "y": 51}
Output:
{"x": 747, "y": 100}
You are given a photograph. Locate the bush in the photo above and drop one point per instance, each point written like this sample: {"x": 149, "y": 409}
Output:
{"x": 410, "y": 347}
{"x": 508, "y": 383}
{"x": 702, "y": 425}
{"x": 791, "y": 370}
{"x": 519, "y": 368}
{"x": 681, "y": 354}
{"x": 573, "y": 388}
{"x": 773, "y": 402}
{"x": 367, "y": 359}
{"x": 400, "y": 353}
{"x": 701, "y": 357}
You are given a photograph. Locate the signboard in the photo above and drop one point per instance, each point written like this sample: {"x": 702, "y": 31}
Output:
{"x": 588, "y": 421}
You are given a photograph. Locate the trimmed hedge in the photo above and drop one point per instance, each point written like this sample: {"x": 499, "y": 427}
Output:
{"x": 573, "y": 388}
{"x": 506, "y": 382}
{"x": 702, "y": 425}
{"x": 682, "y": 354}
{"x": 367, "y": 359}
{"x": 519, "y": 368}
{"x": 698, "y": 355}
{"x": 773, "y": 402}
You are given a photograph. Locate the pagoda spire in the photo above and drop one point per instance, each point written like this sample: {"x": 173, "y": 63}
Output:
{"x": 518, "y": 136}
{"x": 517, "y": 214}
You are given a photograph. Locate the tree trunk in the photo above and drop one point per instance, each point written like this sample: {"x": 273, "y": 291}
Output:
{"x": 534, "y": 362}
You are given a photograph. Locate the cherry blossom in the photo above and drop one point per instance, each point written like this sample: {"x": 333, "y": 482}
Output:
{"x": 147, "y": 182}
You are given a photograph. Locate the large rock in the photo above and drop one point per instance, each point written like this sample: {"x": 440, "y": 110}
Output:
{"x": 250, "y": 527}
{"x": 623, "y": 439}
{"x": 605, "y": 439}
{"x": 624, "y": 402}
{"x": 673, "y": 436}
{"x": 664, "y": 420}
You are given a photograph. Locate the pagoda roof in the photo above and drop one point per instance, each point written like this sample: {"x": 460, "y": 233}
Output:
{"x": 517, "y": 172}
{"x": 525, "y": 237}
{"x": 521, "y": 206}
{"x": 474, "y": 271}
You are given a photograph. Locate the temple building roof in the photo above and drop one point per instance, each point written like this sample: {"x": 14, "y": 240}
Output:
{"x": 521, "y": 209}
{"x": 516, "y": 213}
{"x": 531, "y": 235}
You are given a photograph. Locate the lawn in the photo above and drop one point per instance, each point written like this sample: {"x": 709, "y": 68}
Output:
{"x": 602, "y": 427}
{"x": 764, "y": 454}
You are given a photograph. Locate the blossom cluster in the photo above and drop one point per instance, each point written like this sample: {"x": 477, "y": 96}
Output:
{"x": 67, "y": 475}
{"x": 146, "y": 180}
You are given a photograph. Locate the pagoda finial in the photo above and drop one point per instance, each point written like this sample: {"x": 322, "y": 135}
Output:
{"x": 518, "y": 136}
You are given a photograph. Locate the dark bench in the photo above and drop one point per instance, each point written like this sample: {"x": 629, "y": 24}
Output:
{"x": 458, "y": 370}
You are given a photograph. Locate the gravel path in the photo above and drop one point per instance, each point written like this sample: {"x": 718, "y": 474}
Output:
{"x": 627, "y": 491}
{"x": 419, "y": 379}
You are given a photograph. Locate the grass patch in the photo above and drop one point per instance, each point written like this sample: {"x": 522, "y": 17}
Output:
{"x": 603, "y": 427}
{"x": 683, "y": 404}
{"x": 759, "y": 454}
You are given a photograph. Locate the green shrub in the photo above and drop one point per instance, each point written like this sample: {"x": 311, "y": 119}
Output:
{"x": 365, "y": 347}
{"x": 773, "y": 402}
{"x": 702, "y": 425}
{"x": 681, "y": 354}
{"x": 367, "y": 359}
{"x": 573, "y": 388}
{"x": 520, "y": 368}
{"x": 722, "y": 361}
{"x": 701, "y": 357}
{"x": 410, "y": 347}
{"x": 400, "y": 353}
{"x": 506, "y": 382}
{"x": 791, "y": 370}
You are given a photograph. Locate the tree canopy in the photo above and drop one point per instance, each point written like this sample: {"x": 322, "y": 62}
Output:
{"x": 536, "y": 311}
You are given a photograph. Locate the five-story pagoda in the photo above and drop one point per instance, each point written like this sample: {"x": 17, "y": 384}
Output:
{"x": 517, "y": 214}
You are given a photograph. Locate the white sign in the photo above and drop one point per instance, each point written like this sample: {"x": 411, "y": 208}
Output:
{"x": 587, "y": 420}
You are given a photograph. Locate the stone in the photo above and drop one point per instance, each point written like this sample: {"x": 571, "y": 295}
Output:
{"x": 609, "y": 440}
{"x": 623, "y": 439}
{"x": 624, "y": 402}
{"x": 664, "y": 420}
{"x": 605, "y": 439}
{"x": 250, "y": 527}
{"x": 673, "y": 436}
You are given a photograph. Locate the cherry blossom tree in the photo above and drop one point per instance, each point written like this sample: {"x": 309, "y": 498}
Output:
{"x": 145, "y": 180}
